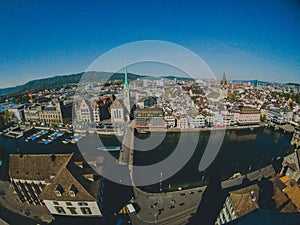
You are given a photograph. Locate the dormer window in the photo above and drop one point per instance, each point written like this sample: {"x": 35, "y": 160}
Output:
{"x": 73, "y": 191}
{"x": 79, "y": 164}
{"x": 59, "y": 190}
{"x": 89, "y": 177}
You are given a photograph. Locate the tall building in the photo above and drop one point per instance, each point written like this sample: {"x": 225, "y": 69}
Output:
{"x": 83, "y": 111}
{"x": 121, "y": 106}
{"x": 126, "y": 92}
{"x": 296, "y": 138}
{"x": 52, "y": 114}
{"x": 224, "y": 86}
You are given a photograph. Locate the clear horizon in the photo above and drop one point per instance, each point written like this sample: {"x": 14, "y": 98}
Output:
{"x": 162, "y": 76}
{"x": 247, "y": 40}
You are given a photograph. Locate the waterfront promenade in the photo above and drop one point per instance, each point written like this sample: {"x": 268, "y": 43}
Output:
{"x": 176, "y": 130}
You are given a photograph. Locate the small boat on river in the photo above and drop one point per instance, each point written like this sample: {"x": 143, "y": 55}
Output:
{"x": 109, "y": 148}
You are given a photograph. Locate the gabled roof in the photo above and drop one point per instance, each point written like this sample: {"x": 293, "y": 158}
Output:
{"x": 117, "y": 104}
{"x": 70, "y": 176}
{"x": 66, "y": 172}
{"x": 292, "y": 190}
{"x": 245, "y": 200}
{"x": 66, "y": 180}
{"x": 281, "y": 201}
{"x": 36, "y": 166}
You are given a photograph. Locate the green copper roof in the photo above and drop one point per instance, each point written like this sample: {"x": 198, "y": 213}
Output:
{"x": 126, "y": 84}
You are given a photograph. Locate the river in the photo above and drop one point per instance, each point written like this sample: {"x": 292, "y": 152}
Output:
{"x": 241, "y": 151}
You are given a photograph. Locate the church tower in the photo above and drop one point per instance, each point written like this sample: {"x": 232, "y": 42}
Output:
{"x": 126, "y": 92}
{"x": 224, "y": 86}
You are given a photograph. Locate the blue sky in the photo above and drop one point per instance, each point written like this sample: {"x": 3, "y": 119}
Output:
{"x": 246, "y": 39}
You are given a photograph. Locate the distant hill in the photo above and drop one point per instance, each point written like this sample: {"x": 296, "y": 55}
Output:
{"x": 264, "y": 82}
{"x": 181, "y": 78}
{"x": 293, "y": 84}
{"x": 91, "y": 76}
{"x": 61, "y": 80}
{"x": 43, "y": 83}
{"x": 251, "y": 81}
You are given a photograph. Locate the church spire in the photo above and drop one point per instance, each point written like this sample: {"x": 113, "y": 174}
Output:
{"x": 224, "y": 80}
{"x": 126, "y": 84}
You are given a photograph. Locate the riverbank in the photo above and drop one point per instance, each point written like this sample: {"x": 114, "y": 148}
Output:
{"x": 177, "y": 130}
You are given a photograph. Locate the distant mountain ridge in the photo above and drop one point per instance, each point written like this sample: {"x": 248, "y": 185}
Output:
{"x": 60, "y": 80}
{"x": 91, "y": 76}
{"x": 44, "y": 82}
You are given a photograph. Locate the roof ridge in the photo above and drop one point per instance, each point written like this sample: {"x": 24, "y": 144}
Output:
{"x": 64, "y": 164}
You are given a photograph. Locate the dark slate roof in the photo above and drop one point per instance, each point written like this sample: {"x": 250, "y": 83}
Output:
{"x": 68, "y": 171}
{"x": 36, "y": 166}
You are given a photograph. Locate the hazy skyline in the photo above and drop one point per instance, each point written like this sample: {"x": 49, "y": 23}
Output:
{"x": 245, "y": 39}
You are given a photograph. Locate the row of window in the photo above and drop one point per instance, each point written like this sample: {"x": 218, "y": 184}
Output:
{"x": 73, "y": 210}
{"x": 117, "y": 114}
{"x": 50, "y": 116}
{"x": 70, "y": 203}
{"x": 51, "y": 121}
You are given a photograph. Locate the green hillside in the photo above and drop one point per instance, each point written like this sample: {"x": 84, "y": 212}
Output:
{"x": 61, "y": 80}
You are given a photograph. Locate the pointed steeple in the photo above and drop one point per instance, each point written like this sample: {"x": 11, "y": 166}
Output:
{"x": 224, "y": 80}
{"x": 126, "y": 90}
{"x": 126, "y": 84}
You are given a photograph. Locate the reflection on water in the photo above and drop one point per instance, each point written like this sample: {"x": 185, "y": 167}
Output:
{"x": 242, "y": 151}
{"x": 236, "y": 136}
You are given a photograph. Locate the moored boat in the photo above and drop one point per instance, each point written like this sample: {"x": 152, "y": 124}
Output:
{"x": 109, "y": 148}
{"x": 236, "y": 175}
{"x": 47, "y": 141}
{"x": 66, "y": 141}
